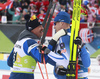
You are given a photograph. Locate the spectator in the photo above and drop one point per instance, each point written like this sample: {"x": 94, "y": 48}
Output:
{"x": 32, "y": 9}
{"x": 25, "y": 11}
{"x": 41, "y": 16}
{"x": 92, "y": 1}
{"x": 45, "y": 3}
{"x": 15, "y": 15}
{"x": 62, "y": 8}
{"x": 91, "y": 15}
{"x": 15, "y": 4}
{"x": 43, "y": 7}
{"x": 97, "y": 15}
{"x": 38, "y": 4}
{"x": 70, "y": 10}
{"x": 28, "y": 1}
{"x": 31, "y": 2}
{"x": 55, "y": 12}
{"x": 24, "y": 5}
{"x": 84, "y": 10}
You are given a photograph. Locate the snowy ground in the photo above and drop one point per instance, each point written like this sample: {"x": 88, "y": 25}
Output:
{"x": 93, "y": 74}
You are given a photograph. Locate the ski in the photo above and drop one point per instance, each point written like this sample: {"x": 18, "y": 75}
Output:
{"x": 71, "y": 71}
{"x": 47, "y": 13}
{"x": 48, "y": 23}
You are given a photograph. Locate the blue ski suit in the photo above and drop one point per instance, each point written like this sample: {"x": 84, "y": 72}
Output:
{"x": 84, "y": 57}
{"x": 24, "y": 56}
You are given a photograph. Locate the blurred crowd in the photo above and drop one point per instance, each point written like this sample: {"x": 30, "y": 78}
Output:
{"x": 90, "y": 11}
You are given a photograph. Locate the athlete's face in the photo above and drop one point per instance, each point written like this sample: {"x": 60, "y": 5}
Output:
{"x": 38, "y": 31}
{"x": 61, "y": 25}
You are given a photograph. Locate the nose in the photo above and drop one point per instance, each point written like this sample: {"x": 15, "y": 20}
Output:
{"x": 42, "y": 27}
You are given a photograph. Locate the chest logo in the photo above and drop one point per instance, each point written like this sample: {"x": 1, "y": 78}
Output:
{"x": 62, "y": 45}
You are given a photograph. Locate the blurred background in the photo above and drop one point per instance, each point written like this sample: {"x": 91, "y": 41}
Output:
{"x": 12, "y": 22}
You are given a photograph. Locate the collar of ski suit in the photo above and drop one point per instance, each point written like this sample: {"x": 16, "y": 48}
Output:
{"x": 27, "y": 34}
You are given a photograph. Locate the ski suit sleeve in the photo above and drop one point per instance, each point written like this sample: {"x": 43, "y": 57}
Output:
{"x": 59, "y": 59}
{"x": 62, "y": 59}
{"x": 10, "y": 59}
{"x": 85, "y": 56}
{"x": 31, "y": 48}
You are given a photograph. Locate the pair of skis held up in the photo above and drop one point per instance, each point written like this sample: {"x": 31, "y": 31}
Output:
{"x": 72, "y": 70}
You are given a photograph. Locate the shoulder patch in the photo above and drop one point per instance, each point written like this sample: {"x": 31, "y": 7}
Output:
{"x": 62, "y": 45}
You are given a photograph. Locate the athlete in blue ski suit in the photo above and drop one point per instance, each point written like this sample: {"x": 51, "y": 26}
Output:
{"x": 62, "y": 21}
{"x": 26, "y": 52}
{"x": 64, "y": 45}
{"x": 84, "y": 57}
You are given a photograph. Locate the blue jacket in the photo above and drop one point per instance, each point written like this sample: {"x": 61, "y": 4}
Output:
{"x": 34, "y": 53}
{"x": 84, "y": 58}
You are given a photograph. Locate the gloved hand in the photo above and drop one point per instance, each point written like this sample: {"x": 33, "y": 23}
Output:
{"x": 53, "y": 42}
{"x": 44, "y": 49}
{"x": 78, "y": 41}
{"x": 60, "y": 70}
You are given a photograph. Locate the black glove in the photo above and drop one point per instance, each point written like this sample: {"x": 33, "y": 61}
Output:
{"x": 60, "y": 70}
{"x": 78, "y": 41}
{"x": 44, "y": 49}
{"x": 53, "y": 44}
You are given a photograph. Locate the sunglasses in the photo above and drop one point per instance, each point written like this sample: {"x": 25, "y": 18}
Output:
{"x": 55, "y": 22}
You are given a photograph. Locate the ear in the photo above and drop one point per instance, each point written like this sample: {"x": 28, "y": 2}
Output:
{"x": 67, "y": 26}
{"x": 61, "y": 23}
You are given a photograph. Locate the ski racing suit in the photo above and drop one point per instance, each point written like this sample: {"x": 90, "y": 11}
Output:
{"x": 25, "y": 55}
{"x": 84, "y": 57}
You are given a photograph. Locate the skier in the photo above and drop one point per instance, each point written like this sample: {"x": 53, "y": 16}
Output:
{"x": 62, "y": 21}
